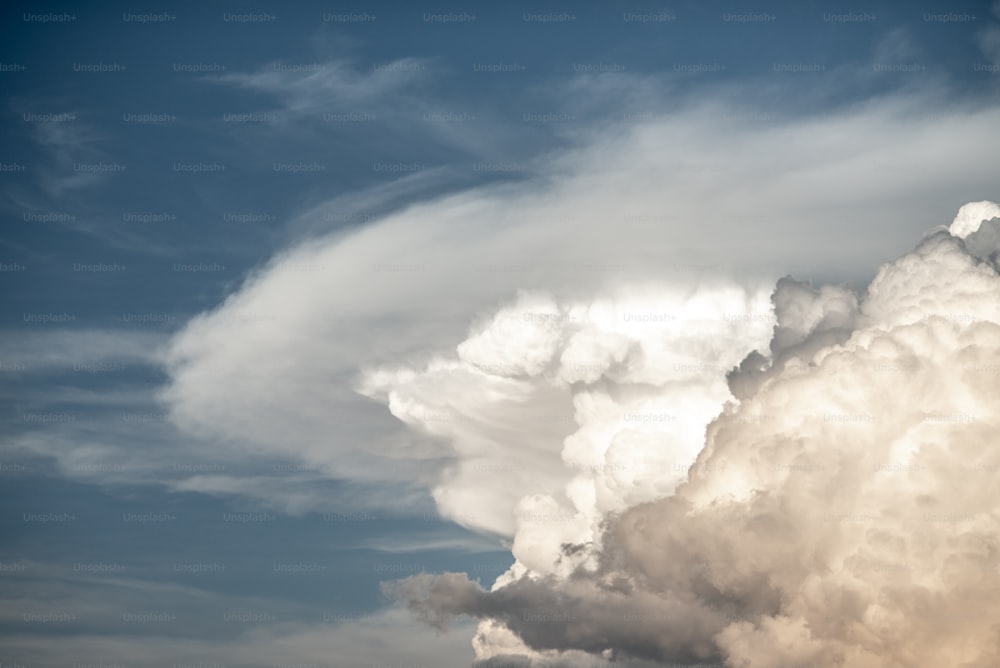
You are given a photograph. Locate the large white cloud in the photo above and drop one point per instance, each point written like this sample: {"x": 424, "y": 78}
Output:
{"x": 843, "y": 512}
{"x": 610, "y": 296}
{"x": 559, "y": 413}
{"x": 682, "y": 199}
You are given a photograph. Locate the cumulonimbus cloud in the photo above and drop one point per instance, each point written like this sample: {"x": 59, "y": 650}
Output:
{"x": 671, "y": 205}
{"x": 646, "y": 255}
{"x": 843, "y": 508}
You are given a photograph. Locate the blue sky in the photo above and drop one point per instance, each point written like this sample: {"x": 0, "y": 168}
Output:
{"x": 392, "y": 172}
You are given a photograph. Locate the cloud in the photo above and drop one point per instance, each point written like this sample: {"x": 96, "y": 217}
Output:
{"x": 842, "y": 512}
{"x": 445, "y": 536}
{"x": 108, "y": 618}
{"x": 314, "y": 87}
{"x": 72, "y": 148}
{"x": 971, "y": 216}
{"x": 681, "y": 200}
{"x": 391, "y": 111}
{"x": 47, "y": 351}
{"x": 554, "y": 411}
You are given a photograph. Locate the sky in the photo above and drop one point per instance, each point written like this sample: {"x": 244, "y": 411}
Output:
{"x": 605, "y": 333}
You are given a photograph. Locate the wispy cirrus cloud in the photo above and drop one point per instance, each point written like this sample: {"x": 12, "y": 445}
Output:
{"x": 71, "y": 148}
{"x": 136, "y": 621}
{"x": 326, "y": 86}
{"x": 390, "y": 104}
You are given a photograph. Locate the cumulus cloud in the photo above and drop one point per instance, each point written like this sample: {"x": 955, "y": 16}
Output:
{"x": 971, "y": 216}
{"x": 558, "y": 412}
{"x": 842, "y": 509}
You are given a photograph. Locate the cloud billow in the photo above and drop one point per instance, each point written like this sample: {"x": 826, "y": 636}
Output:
{"x": 842, "y": 510}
